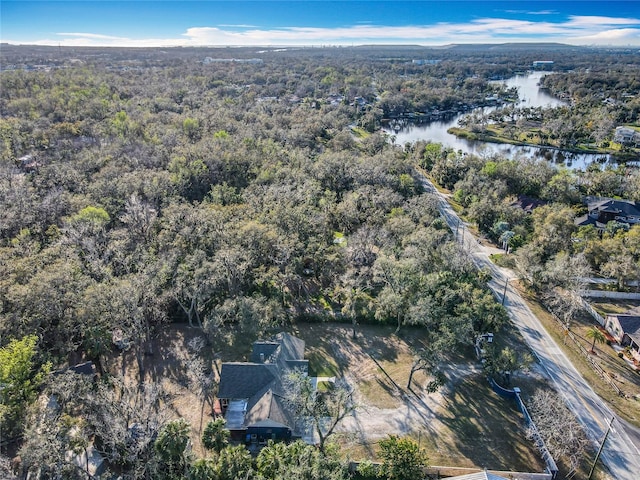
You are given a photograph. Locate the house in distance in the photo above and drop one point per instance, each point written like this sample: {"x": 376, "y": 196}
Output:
{"x": 603, "y": 211}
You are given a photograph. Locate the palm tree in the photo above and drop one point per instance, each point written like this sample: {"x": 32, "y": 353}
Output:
{"x": 172, "y": 446}
{"x": 595, "y": 334}
{"x": 215, "y": 436}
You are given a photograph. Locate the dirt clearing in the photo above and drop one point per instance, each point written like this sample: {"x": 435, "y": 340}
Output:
{"x": 464, "y": 424}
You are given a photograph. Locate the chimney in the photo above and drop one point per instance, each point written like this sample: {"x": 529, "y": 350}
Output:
{"x": 262, "y": 358}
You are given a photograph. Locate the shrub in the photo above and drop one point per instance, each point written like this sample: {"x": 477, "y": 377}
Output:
{"x": 368, "y": 470}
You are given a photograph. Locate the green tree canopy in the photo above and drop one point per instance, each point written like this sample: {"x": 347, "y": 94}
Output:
{"x": 402, "y": 459}
{"x": 171, "y": 446}
{"x": 20, "y": 380}
{"x": 215, "y": 436}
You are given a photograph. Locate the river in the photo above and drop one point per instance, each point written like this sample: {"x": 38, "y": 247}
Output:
{"x": 531, "y": 96}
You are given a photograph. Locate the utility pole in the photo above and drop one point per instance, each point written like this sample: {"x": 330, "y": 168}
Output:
{"x": 504, "y": 293}
{"x": 604, "y": 439}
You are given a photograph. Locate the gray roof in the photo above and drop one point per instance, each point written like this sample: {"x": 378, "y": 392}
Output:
{"x": 243, "y": 380}
{"x": 630, "y": 325}
{"x": 260, "y": 381}
{"x": 291, "y": 348}
{"x": 268, "y": 349}
{"x": 269, "y": 407}
{"x": 268, "y": 424}
{"x": 283, "y": 348}
{"x": 627, "y": 207}
{"x": 585, "y": 220}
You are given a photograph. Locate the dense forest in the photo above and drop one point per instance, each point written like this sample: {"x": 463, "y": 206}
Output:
{"x": 239, "y": 191}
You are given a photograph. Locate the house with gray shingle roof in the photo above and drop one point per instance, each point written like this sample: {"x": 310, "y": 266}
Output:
{"x": 625, "y": 328}
{"x": 627, "y": 136}
{"x": 251, "y": 394}
{"x": 608, "y": 210}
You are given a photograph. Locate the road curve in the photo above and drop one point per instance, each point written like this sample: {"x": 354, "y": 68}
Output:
{"x": 620, "y": 454}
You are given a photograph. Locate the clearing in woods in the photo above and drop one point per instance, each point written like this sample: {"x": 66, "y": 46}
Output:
{"x": 464, "y": 424}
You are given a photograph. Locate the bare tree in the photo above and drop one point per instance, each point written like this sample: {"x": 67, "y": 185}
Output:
{"x": 562, "y": 434}
{"x": 562, "y": 303}
{"x": 201, "y": 379}
{"x": 5, "y": 468}
{"x": 322, "y": 411}
{"x": 126, "y": 420}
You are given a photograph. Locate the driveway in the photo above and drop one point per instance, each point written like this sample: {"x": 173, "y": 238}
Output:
{"x": 620, "y": 454}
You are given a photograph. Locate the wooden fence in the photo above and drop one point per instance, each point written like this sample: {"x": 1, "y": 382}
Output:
{"x": 597, "y": 368}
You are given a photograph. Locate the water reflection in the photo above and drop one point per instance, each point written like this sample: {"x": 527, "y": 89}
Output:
{"x": 531, "y": 96}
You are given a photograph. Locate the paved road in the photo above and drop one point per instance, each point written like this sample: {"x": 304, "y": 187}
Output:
{"x": 620, "y": 454}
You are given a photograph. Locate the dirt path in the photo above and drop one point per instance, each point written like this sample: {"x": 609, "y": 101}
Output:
{"x": 461, "y": 424}
{"x": 378, "y": 375}
{"x": 415, "y": 411}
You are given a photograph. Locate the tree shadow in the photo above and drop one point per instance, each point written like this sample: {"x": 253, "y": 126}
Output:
{"x": 489, "y": 430}
{"x": 332, "y": 349}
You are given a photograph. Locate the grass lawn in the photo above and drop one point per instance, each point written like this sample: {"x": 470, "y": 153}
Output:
{"x": 628, "y": 380}
{"x": 360, "y": 132}
{"x": 503, "y": 260}
{"x": 618, "y": 306}
{"x": 471, "y": 426}
{"x": 482, "y": 429}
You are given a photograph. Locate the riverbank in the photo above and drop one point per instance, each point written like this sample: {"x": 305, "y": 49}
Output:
{"x": 496, "y": 134}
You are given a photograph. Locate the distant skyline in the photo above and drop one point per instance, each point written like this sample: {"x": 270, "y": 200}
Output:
{"x": 159, "y": 23}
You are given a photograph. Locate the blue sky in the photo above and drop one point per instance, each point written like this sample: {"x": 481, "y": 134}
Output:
{"x": 307, "y": 22}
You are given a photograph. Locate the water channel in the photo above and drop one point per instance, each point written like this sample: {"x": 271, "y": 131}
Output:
{"x": 530, "y": 96}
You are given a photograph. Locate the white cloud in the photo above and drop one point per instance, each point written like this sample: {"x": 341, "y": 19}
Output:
{"x": 95, "y": 36}
{"x": 576, "y": 30}
{"x": 619, "y": 36}
{"x": 231, "y": 25}
{"x": 527, "y": 12}
{"x": 583, "y": 21}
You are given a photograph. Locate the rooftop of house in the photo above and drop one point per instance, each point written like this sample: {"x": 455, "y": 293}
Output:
{"x": 269, "y": 407}
{"x": 624, "y": 208}
{"x": 584, "y": 220}
{"x": 255, "y": 388}
{"x": 528, "y": 204}
{"x": 243, "y": 379}
{"x": 626, "y": 132}
{"x": 627, "y": 207}
{"x": 630, "y": 325}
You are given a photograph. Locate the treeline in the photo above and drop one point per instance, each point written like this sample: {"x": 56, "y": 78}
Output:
{"x": 233, "y": 197}
{"x": 142, "y": 188}
{"x": 529, "y": 207}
